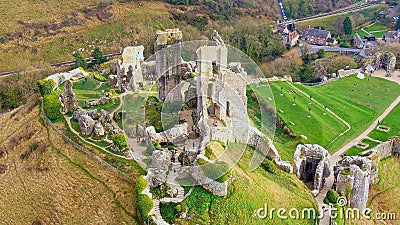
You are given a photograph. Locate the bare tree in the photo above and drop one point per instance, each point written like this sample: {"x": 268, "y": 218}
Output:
{"x": 304, "y": 48}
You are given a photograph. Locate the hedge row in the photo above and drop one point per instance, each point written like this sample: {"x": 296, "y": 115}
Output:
{"x": 145, "y": 203}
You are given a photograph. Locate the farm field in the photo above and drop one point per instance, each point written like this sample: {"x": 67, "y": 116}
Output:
{"x": 357, "y": 101}
{"x": 335, "y": 23}
{"x": 393, "y": 121}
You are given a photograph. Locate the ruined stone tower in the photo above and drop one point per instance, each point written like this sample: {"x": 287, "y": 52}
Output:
{"x": 129, "y": 70}
{"x": 168, "y": 59}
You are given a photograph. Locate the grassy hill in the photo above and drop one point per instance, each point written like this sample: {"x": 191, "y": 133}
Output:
{"x": 248, "y": 192}
{"x": 43, "y": 178}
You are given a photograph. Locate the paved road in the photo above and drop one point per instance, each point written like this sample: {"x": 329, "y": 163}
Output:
{"x": 337, "y": 156}
{"x": 315, "y": 48}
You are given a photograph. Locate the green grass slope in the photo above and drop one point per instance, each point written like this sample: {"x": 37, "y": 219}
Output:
{"x": 359, "y": 102}
{"x": 248, "y": 192}
{"x": 319, "y": 128}
{"x": 393, "y": 121}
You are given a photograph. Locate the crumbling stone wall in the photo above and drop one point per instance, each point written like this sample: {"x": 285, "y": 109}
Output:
{"x": 68, "y": 99}
{"x": 353, "y": 176}
{"x": 312, "y": 164}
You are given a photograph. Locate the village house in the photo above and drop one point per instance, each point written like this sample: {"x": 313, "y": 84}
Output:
{"x": 289, "y": 34}
{"x": 392, "y": 37}
{"x": 318, "y": 37}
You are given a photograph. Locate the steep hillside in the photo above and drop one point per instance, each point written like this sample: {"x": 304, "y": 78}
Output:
{"x": 44, "y": 179}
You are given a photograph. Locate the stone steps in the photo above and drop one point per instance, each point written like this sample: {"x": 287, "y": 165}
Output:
{"x": 157, "y": 213}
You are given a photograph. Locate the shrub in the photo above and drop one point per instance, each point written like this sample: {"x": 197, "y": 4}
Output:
{"x": 46, "y": 86}
{"x": 218, "y": 171}
{"x": 156, "y": 145}
{"x": 168, "y": 211}
{"x": 269, "y": 166}
{"x": 99, "y": 77}
{"x": 120, "y": 140}
{"x": 332, "y": 196}
{"x": 52, "y": 106}
{"x": 141, "y": 184}
{"x": 145, "y": 204}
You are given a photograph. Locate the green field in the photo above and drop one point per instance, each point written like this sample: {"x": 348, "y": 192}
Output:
{"x": 356, "y": 151}
{"x": 347, "y": 97}
{"x": 359, "y": 102}
{"x": 360, "y": 32}
{"x": 393, "y": 121}
{"x": 376, "y": 29}
{"x": 335, "y": 23}
{"x": 318, "y": 128}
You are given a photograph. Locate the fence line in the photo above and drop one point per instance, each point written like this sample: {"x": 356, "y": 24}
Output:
{"x": 80, "y": 147}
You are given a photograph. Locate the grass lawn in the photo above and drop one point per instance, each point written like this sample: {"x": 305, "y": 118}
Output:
{"x": 356, "y": 151}
{"x": 379, "y": 34}
{"x": 348, "y": 98}
{"x": 91, "y": 90}
{"x": 248, "y": 192}
{"x": 375, "y": 27}
{"x": 319, "y": 128}
{"x": 392, "y": 120}
{"x": 360, "y": 32}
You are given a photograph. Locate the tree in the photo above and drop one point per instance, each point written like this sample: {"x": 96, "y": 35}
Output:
{"x": 120, "y": 140}
{"x": 52, "y": 106}
{"x": 347, "y": 26}
{"x": 79, "y": 61}
{"x": 397, "y": 26}
{"x": 304, "y": 49}
{"x": 98, "y": 57}
{"x": 46, "y": 86}
{"x": 321, "y": 53}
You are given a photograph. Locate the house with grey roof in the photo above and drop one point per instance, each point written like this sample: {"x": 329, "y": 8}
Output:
{"x": 317, "y": 36}
{"x": 358, "y": 41}
{"x": 392, "y": 37}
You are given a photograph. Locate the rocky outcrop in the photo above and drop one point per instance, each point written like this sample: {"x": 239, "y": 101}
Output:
{"x": 312, "y": 165}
